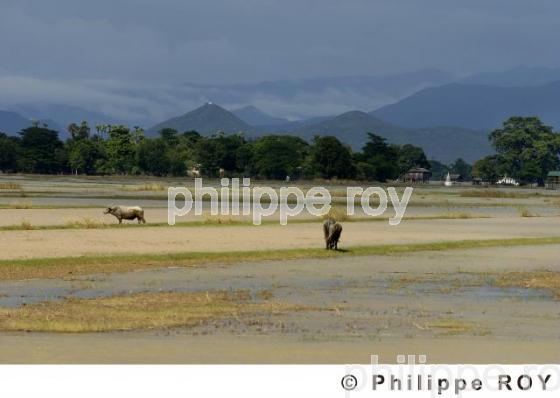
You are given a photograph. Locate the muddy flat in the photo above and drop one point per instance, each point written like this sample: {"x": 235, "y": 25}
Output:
{"x": 452, "y": 305}
{"x": 62, "y": 243}
{"x": 143, "y": 348}
{"x": 444, "y": 305}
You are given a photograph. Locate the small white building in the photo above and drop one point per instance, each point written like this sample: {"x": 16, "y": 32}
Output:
{"x": 448, "y": 181}
{"x": 508, "y": 181}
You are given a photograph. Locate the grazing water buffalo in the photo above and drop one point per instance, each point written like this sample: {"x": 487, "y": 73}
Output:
{"x": 126, "y": 213}
{"x": 332, "y": 231}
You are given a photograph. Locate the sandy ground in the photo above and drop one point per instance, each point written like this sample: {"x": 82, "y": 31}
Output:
{"x": 126, "y": 348}
{"x": 365, "y": 309}
{"x": 64, "y": 216}
{"x": 385, "y": 305}
{"x": 59, "y": 243}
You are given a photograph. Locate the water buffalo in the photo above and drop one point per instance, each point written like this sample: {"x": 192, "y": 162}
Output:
{"x": 332, "y": 231}
{"x": 126, "y": 213}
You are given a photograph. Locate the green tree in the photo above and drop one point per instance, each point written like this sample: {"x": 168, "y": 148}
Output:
{"x": 84, "y": 155}
{"x": 245, "y": 158}
{"x": 191, "y": 136}
{"x": 330, "y": 158}
{"x": 178, "y": 151}
{"x": 278, "y": 156}
{"x": 41, "y": 151}
{"x": 487, "y": 169}
{"x": 411, "y": 156}
{"x": 527, "y": 149}
{"x": 169, "y": 136}
{"x": 206, "y": 155}
{"x": 137, "y": 134}
{"x": 79, "y": 132}
{"x": 378, "y": 160}
{"x": 121, "y": 149}
{"x": 438, "y": 170}
{"x": 219, "y": 152}
{"x": 9, "y": 148}
{"x": 153, "y": 157}
{"x": 462, "y": 168}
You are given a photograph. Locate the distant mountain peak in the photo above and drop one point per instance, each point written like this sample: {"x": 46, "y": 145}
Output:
{"x": 206, "y": 119}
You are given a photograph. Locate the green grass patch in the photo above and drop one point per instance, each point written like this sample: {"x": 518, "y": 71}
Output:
{"x": 154, "y": 187}
{"x": 58, "y": 267}
{"x": 217, "y": 221}
{"x": 10, "y": 186}
{"x": 161, "y": 310}
{"x": 501, "y": 194}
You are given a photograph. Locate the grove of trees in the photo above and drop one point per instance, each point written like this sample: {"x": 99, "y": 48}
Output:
{"x": 526, "y": 149}
{"x": 119, "y": 150}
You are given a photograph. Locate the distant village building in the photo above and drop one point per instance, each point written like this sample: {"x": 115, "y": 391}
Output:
{"x": 553, "y": 180}
{"x": 452, "y": 179}
{"x": 456, "y": 178}
{"x": 508, "y": 181}
{"x": 194, "y": 171}
{"x": 479, "y": 181}
{"x": 417, "y": 175}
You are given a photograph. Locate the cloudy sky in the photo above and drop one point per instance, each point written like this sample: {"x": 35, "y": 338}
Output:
{"x": 69, "y": 47}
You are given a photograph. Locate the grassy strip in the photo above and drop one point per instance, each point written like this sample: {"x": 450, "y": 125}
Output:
{"x": 160, "y": 310}
{"x": 25, "y": 206}
{"x": 219, "y": 222}
{"x": 531, "y": 280}
{"x": 501, "y": 194}
{"x": 59, "y": 267}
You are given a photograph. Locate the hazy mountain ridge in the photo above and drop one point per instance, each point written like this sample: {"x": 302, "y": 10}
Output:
{"x": 12, "y": 122}
{"x": 473, "y": 106}
{"x": 445, "y": 144}
{"x": 442, "y": 143}
{"x": 255, "y": 117}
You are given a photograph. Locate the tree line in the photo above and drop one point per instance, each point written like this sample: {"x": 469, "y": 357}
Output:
{"x": 525, "y": 149}
{"x": 120, "y": 150}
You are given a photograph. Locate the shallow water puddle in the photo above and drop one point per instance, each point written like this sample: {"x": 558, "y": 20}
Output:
{"x": 313, "y": 286}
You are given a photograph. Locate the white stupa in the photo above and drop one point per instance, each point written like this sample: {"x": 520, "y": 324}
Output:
{"x": 448, "y": 181}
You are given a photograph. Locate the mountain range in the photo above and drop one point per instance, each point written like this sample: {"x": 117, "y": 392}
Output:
{"x": 449, "y": 117}
{"x": 442, "y": 143}
{"x": 474, "y": 106}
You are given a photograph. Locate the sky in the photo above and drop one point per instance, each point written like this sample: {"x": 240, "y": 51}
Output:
{"x": 74, "y": 48}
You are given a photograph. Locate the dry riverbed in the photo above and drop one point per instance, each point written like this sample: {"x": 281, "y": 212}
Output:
{"x": 477, "y": 280}
{"x": 325, "y": 310}
{"x": 153, "y": 240}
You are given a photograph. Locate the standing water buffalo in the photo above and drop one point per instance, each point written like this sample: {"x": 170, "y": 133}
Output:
{"x": 126, "y": 213}
{"x": 332, "y": 231}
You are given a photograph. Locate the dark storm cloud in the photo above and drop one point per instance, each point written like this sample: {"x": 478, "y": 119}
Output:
{"x": 68, "y": 44}
{"x": 246, "y": 40}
